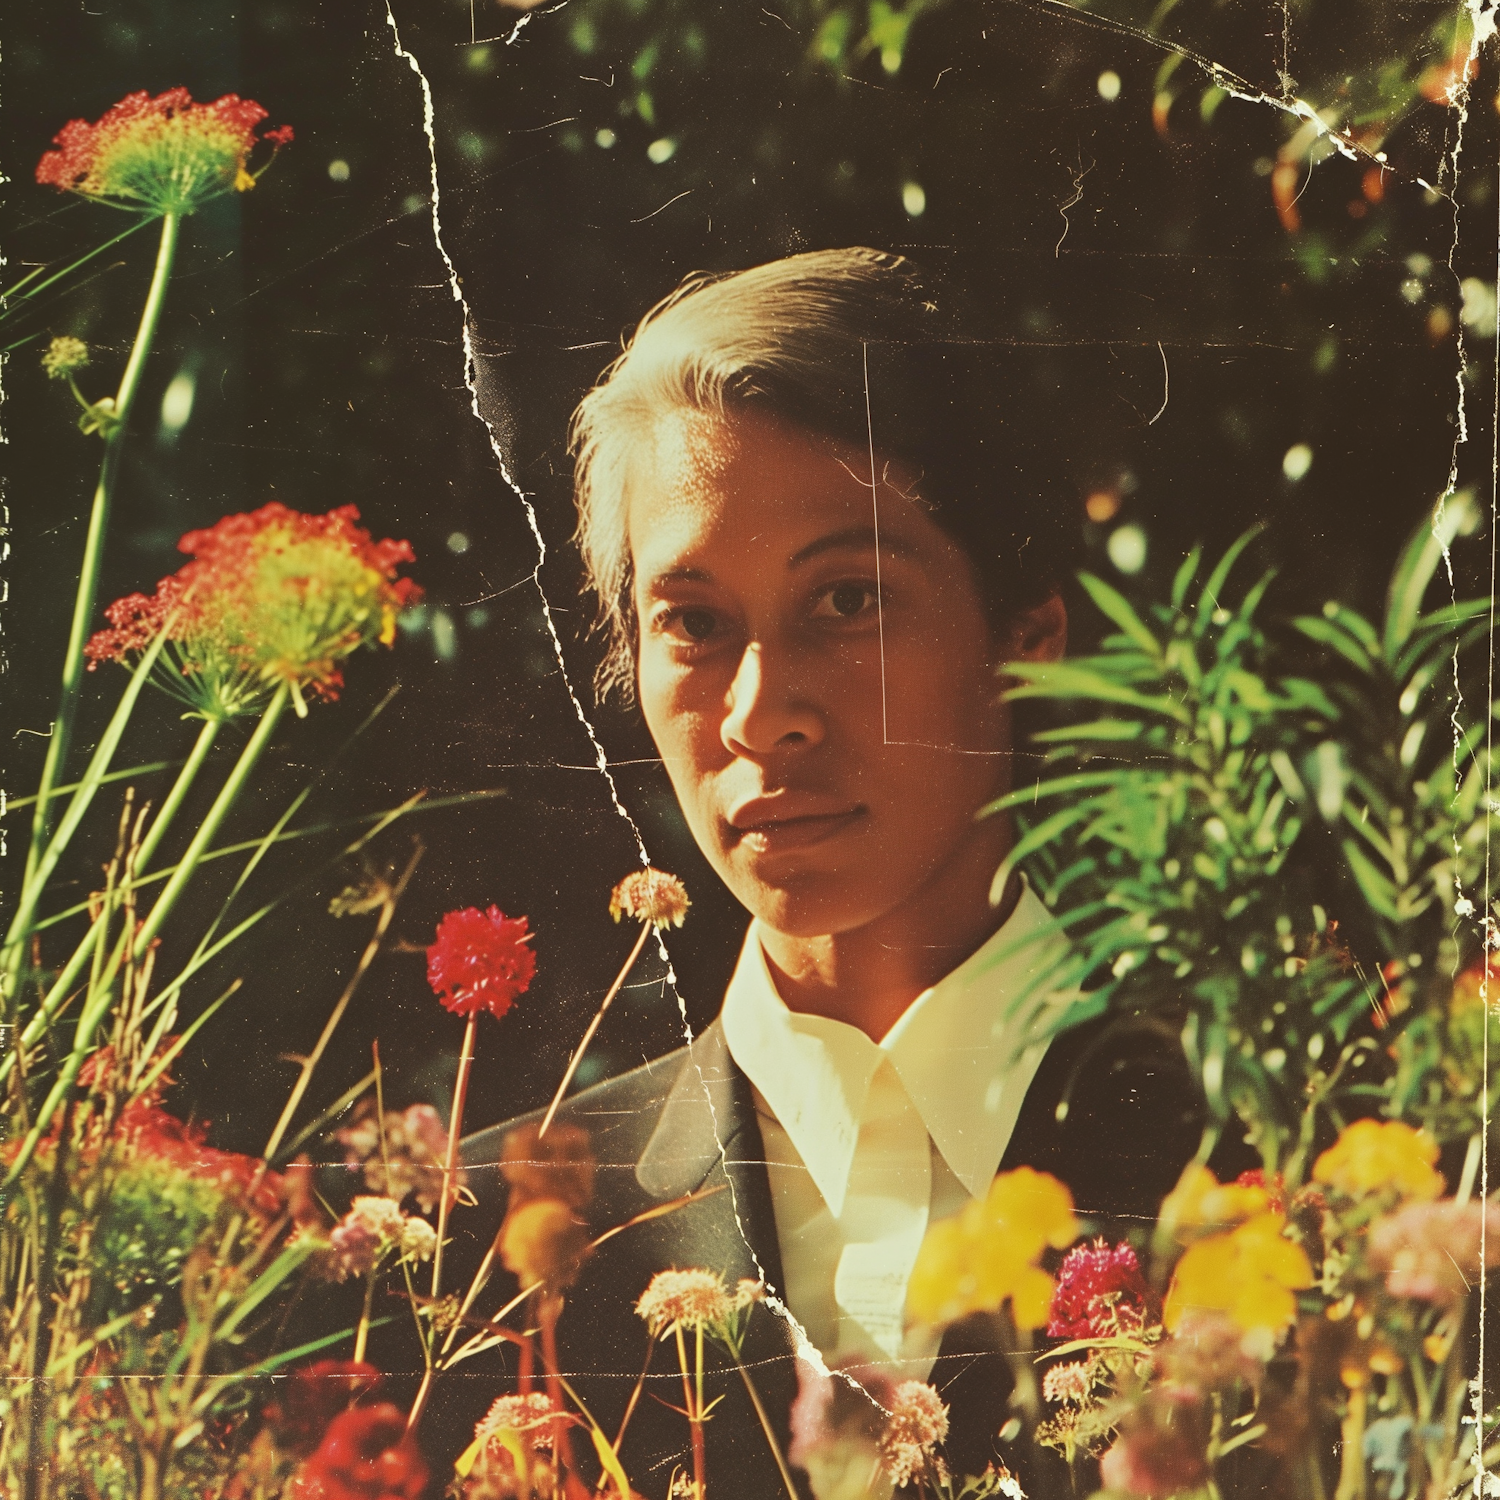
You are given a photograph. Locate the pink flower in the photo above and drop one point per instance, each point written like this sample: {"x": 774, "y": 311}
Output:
{"x": 1208, "y": 1353}
{"x": 1095, "y": 1283}
{"x": 1430, "y": 1251}
{"x": 836, "y": 1423}
{"x": 480, "y": 961}
{"x": 916, "y": 1424}
{"x": 1161, "y": 1445}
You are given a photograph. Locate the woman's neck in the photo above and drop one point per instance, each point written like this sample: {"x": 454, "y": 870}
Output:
{"x": 869, "y": 976}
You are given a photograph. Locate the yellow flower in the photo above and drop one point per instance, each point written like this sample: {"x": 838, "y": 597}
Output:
{"x": 1371, "y": 1155}
{"x": 987, "y": 1254}
{"x": 1249, "y": 1273}
{"x": 1201, "y": 1202}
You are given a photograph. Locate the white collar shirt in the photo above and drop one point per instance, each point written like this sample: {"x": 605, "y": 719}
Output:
{"x": 867, "y": 1143}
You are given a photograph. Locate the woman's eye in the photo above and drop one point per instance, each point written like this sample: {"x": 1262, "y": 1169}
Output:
{"x": 690, "y": 626}
{"x": 845, "y": 601}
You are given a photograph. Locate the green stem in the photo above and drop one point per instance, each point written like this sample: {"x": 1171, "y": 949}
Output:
{"x": 180, "y": 788}
{"x": 98, "y": 1003}
{"x": 229, "y": 793}
{"x": 765, "y": 1427}
{"x": 361, "y": 1337}
{"x": 93, "y": 549}
{"x": 74, "y": 966}
{"x": 31, "y": 892}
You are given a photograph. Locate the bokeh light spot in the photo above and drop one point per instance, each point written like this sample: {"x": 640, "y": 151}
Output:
{"x": 914, "y": 199}
{"x": 338, "y": 170}
{"x": 1296, "y": 461}
{"x": 1108, "y": 85}
{"x": 1127, "y": 548}
{"x": 1102, "y": 506}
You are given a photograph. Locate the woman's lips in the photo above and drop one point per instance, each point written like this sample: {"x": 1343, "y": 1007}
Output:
{"x": 788, "y": 835}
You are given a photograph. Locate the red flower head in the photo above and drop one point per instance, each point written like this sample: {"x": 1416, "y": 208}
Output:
{"x": 366, "y": 1454}
{"x": 150, "y": 1132}
{"x": 314, "y": 1396}
{"x": 480, "y": 961}
{"x": 272, "y": 597}
{"x": 165, "y": 155}
{"x": 1095, "y": 1284}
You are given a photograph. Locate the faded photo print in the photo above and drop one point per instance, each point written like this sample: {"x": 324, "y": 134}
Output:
{"x": 750, "y": 751}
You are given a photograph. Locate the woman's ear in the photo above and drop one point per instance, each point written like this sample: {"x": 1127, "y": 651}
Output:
{"x": 1037, "y": 634}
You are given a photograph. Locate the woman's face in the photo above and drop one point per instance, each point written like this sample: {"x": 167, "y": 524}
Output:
{"x": 828, "y": 714}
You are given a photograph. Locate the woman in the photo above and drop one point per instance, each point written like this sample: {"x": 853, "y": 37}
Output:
{"x": 798, "y": 511}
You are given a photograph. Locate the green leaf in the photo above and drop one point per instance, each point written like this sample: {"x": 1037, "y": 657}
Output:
{"x": 1379, "y": 890}
{"x": 1069, "y": 680}
{"x": 1454, "y": 514}
{"x": 1114, "y": 604}
{"x": 290, "y": 1259}
{"x": 1027, "y": 796}
{"x": 1326, "y": 633}
{"x": 1208, "y": 600}
{"x": 1095, "y": 729}
{"x": 1186, "y": 572}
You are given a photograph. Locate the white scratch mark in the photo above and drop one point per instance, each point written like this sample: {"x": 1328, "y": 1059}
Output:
{"x": 1073, "y": 202}
{"x": 1166, "y": 384}
{"x": 885, "y": 727}
{"x": 667, "y": 204}
{"x": 471, "y": 382}
{"x": 601, "y": 762}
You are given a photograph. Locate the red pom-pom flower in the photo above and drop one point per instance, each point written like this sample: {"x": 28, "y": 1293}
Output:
{"x": 1099, "y": 1287}
{"x": 366, "y": 1454}
{"x": 480, "y": 960}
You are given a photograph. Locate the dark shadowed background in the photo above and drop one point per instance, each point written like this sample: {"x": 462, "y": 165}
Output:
{"x": 1211, "y": 323}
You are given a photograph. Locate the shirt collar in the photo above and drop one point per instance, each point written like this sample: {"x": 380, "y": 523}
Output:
{"x": 963, "y": 1058}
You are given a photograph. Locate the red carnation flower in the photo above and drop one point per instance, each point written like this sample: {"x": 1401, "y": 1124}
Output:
{"x": 165, "y": 154}
{"x": 480, "y": 961}
{"x": 366, "y": 1454}
{"x": 314, "y": 1396}
{"x": 1095, "y": 1283}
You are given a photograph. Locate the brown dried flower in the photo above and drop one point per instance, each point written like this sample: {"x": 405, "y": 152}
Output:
{"x": 650, "y": 896}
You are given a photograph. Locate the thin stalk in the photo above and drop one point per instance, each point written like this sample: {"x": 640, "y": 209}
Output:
{"x": 695, "y": 1423}
{"x": 229, "y": 793}
{"x": 142, "y": 770}
{"x": 310, "y": 1062}
{"x": 630, "y": 1406}
{"x": 765, "y": 1427}
{"x": 450, "y": 1168}
{"x": 588, "y": 1035}
{"x": 180, "y": 788}
{"x": 14, "y": 291}
{"x": 36, "y": 880}
{"x": 93, "y": 548}
{"x": 455, "y": 1132}
{"x": 98, "y": 1004}
{"x": 362, "y": 1336}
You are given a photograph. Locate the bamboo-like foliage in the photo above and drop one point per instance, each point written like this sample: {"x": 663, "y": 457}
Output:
{"x": 1272, "y": 839}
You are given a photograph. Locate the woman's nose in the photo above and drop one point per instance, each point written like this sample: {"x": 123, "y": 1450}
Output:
{"x": 764, "y": 710}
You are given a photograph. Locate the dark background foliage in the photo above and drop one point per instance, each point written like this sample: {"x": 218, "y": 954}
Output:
{"x": 1127, "y": 251}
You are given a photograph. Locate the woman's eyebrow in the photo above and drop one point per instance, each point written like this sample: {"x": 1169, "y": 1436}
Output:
{"x": 852, "y": 538}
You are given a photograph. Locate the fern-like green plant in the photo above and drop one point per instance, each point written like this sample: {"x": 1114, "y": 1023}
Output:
{"x": 1271, "y": 839}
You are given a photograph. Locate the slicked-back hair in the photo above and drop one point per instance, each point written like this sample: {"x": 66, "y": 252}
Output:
{"x": 857, "y": 345}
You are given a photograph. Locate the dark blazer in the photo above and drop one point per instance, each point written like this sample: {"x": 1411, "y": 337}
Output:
{"x": 687, "y": 1122}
